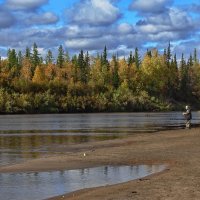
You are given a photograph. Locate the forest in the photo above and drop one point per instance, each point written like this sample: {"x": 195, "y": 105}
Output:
{"x": 155, "y": 81}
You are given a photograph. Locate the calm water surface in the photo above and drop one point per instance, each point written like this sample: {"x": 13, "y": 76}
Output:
{"x": 37, "y": 186}
{"x": 25, "y": 137}
{"x": 29, "y": 136}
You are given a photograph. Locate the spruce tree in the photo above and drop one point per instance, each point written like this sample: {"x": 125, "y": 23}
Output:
{"x": 35, "y": 59}
{"x": 67, "y": 57}
{"x": 131, "y": 59}
{"x": 27, "y": 53}
{"x": 137, "y": 58}
{"x": 175, "y": 62}
{"x": 87, "y": 60}
{"x": 82, "y": 67}
{"x": 87, "y": 66}
{"x": 195, "y": 57}
{"x": 12, "y": 58}
{"x": 75, "y": 68}
{"x": 105, "y": 62}
{"x": 49, "y": 57}
{"x": 149, "y": 53}
{"x": 115, "y": 77}
{"x": 168, "y": 56}
{"x": 20, "y": 58}
{"x": 190, "y": 61}
{"x": 60, "y": 58}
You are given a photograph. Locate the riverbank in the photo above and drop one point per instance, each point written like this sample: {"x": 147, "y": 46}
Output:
{"x": 177, "y": 148}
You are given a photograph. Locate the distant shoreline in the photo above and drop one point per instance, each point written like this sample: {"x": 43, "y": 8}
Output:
{"x": 99, "y": 112}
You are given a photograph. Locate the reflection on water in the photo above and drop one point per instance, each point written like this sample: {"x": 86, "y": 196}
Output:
{"x": 37, "y": 186}
{"x": 30, "y": 136}
{"x": 19, "y": 147}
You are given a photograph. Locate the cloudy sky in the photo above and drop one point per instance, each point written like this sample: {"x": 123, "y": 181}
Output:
{"x": 121, "y": 25}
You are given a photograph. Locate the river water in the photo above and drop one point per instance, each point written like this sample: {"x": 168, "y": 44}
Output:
{"x": 30, "y": 136}
{"x": 25, "y": 137}
{"x": 42, "y": 185}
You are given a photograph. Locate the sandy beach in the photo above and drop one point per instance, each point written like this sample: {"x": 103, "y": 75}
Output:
{"x": 178, "y": 149}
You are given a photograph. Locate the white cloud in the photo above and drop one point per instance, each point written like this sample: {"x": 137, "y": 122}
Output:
{"x": 85, "y": 31}
{"x": 78, "y": 43}
{"x": 25, "y": 4}
{"x": 94, "y": 12}
{"x": 125, "y": 28}
{"x": 180, "y": 19}
{"x": 92, "y": 24}
{"x": 42, "y": 52}
{"x": 151, "y": 6}
{"x": 164, "y": 36}
{"x": 73, "y": 30}
{"x": 90, "y": 43}
{"x": 175, "y": 24}
{"x": 41, "y": 19}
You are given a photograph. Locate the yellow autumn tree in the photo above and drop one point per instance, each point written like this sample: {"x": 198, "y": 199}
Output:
{"x": 25, "y": 71}
{"x": 154, "y": 73}
{"x": 38, "y": 76}
{"x": 97, "y": 79}
{"x": 50, "y": 71}
{"x": 195, "y": 80}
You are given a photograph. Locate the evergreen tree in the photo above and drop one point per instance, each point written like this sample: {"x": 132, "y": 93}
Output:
{"x": 87, "y": 60}
{"x": 137, "y": 58}
{"x": 60, "y": 58}
{"x": 49, "y": 57}
{"x": 190, "y": 61}
{"x": 35, "y": 59}
{"x": 105, "y": 56}
{"x": 12, "y": 58}
{"x": 41, "y": 60}
{"x": 81, "y": 61}
{"x": 20, "y": 58}
{"x": 170, "y": 84}
{"x": 196, "y": 61}
{"x": 105, "y": 62}
{"x": 149, "y": 53}
{"x": 82, "y": 67}
{"x": 175, "y": 62}
{"x": 75, "y": 60}
{"x": 115, "y": 77}
{"x": 75, "y": 68}
{"x": 131, "y": 59}
{"x": 27, "y": 53}
{"x": 165, "y": 53}
{"x": 168, "y": 55}
{"x": 67, "y": 57}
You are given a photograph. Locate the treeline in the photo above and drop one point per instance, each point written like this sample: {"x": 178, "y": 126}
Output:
{"x": 84, "y": 83}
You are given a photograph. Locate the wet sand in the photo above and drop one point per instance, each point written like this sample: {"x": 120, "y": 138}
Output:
{"x": 179, "y": 149}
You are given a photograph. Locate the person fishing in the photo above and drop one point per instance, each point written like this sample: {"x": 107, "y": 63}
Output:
{"x": 188, "y": 116}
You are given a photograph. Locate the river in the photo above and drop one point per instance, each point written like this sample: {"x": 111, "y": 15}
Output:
{"x": 25, "y": 137}
{"x": 30, "y": 136}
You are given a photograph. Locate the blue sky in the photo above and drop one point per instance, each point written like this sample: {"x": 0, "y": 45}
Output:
{"x": 91, "y": 24}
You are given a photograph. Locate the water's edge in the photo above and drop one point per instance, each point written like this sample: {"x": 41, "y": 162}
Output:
{"x": 45, "y": 185}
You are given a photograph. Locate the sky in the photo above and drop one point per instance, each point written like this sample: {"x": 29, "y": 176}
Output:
{"x": 89, "y": 25}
